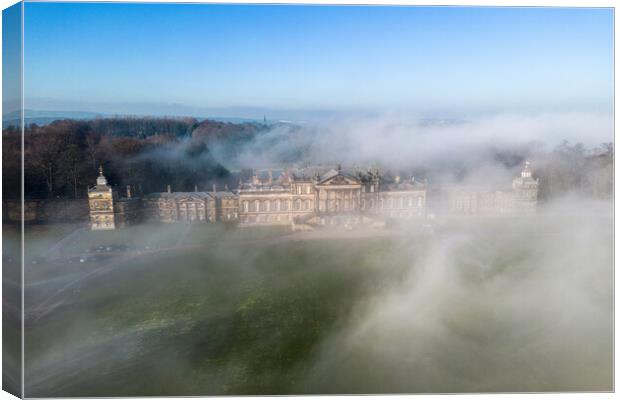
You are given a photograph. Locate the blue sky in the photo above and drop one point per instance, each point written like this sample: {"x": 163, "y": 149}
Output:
{"x": 200, "y": 58}
{"x": 11, "y": 56}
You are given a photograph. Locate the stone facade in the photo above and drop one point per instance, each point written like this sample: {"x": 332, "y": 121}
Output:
{"x": 179, "y": 206}
{"x": 101, "y": 204}
{"x": 521, "y": 198}
{"x": 276, "y": 202}
{"x": 525, "y": 191}
{"x": 308, "y": 197}
{"x": 191, "y": 206}
{"x": 107, "y": 210}
{"x": 226, "y": 205}
{"x": 398, "y": 200}
{"x": 332, "y": 197}
{"x": 46, "y": 211}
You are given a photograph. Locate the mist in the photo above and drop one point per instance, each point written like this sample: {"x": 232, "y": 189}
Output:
{"x": 475, "y": 304}
{"x": 440, "y": 305}
{"x": 522, "y": 307}
{"x": 397, "y": 140}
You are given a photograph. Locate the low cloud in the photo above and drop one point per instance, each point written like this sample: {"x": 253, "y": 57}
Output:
{"x": 484, "y": 308}
{"x": 408, "y": 141}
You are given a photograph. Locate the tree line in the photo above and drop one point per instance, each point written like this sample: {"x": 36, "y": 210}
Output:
{"x": 61, "y": 160}
{"x": 576, "y": 169}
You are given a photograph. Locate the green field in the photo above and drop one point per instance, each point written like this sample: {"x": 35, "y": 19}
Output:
{"x": 144, "y": 237}
{"x": 469, "y": 307}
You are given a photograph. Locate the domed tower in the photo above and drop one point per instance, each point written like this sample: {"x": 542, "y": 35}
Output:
{"x": 525, "y": 190}
{"x": 101, "y": 204}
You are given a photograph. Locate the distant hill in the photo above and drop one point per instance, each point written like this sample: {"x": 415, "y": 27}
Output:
{"x": 45, "y": 117}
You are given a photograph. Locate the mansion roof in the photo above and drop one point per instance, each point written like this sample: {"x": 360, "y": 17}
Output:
{"x": 414, "y": 185}
{"x": 179, "y": 195}
{"x": 100, "y": 188}
{"x": 274, "y": 181}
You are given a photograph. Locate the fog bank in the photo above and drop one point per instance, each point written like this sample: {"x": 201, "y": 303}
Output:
{"x": 486, "y": 308}
{"x": 397, "y": 140}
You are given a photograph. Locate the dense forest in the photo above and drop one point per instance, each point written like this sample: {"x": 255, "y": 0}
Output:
{"x": 61, "y": 160}
{"x": 576, "y": 169}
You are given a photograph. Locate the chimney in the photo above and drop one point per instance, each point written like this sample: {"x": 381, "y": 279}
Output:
{"x": 169, "y": 189}
{"x": 255, "y": 180}
{"x": 397, "y": 179}
{"x": 128, "y": 192}
{"x": 195, "y": 188}
{"x": 270, "y": 177}
{"x": 226, "y": 188}
{"x": 214, "y": 188}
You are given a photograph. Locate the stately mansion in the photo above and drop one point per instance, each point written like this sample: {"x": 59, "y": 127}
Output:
{"x": 307, "y": 198}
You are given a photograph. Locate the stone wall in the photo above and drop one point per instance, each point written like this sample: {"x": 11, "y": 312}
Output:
{"x": 46, "y": 211}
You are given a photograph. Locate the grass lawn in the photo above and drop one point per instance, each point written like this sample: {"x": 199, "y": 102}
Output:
{"x": 145, "y": 237}
{"x": 227, "y": 313}
{"x": 227, "y": 319}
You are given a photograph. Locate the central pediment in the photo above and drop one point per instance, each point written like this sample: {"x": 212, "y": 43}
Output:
{"x": 339, "y": 180}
